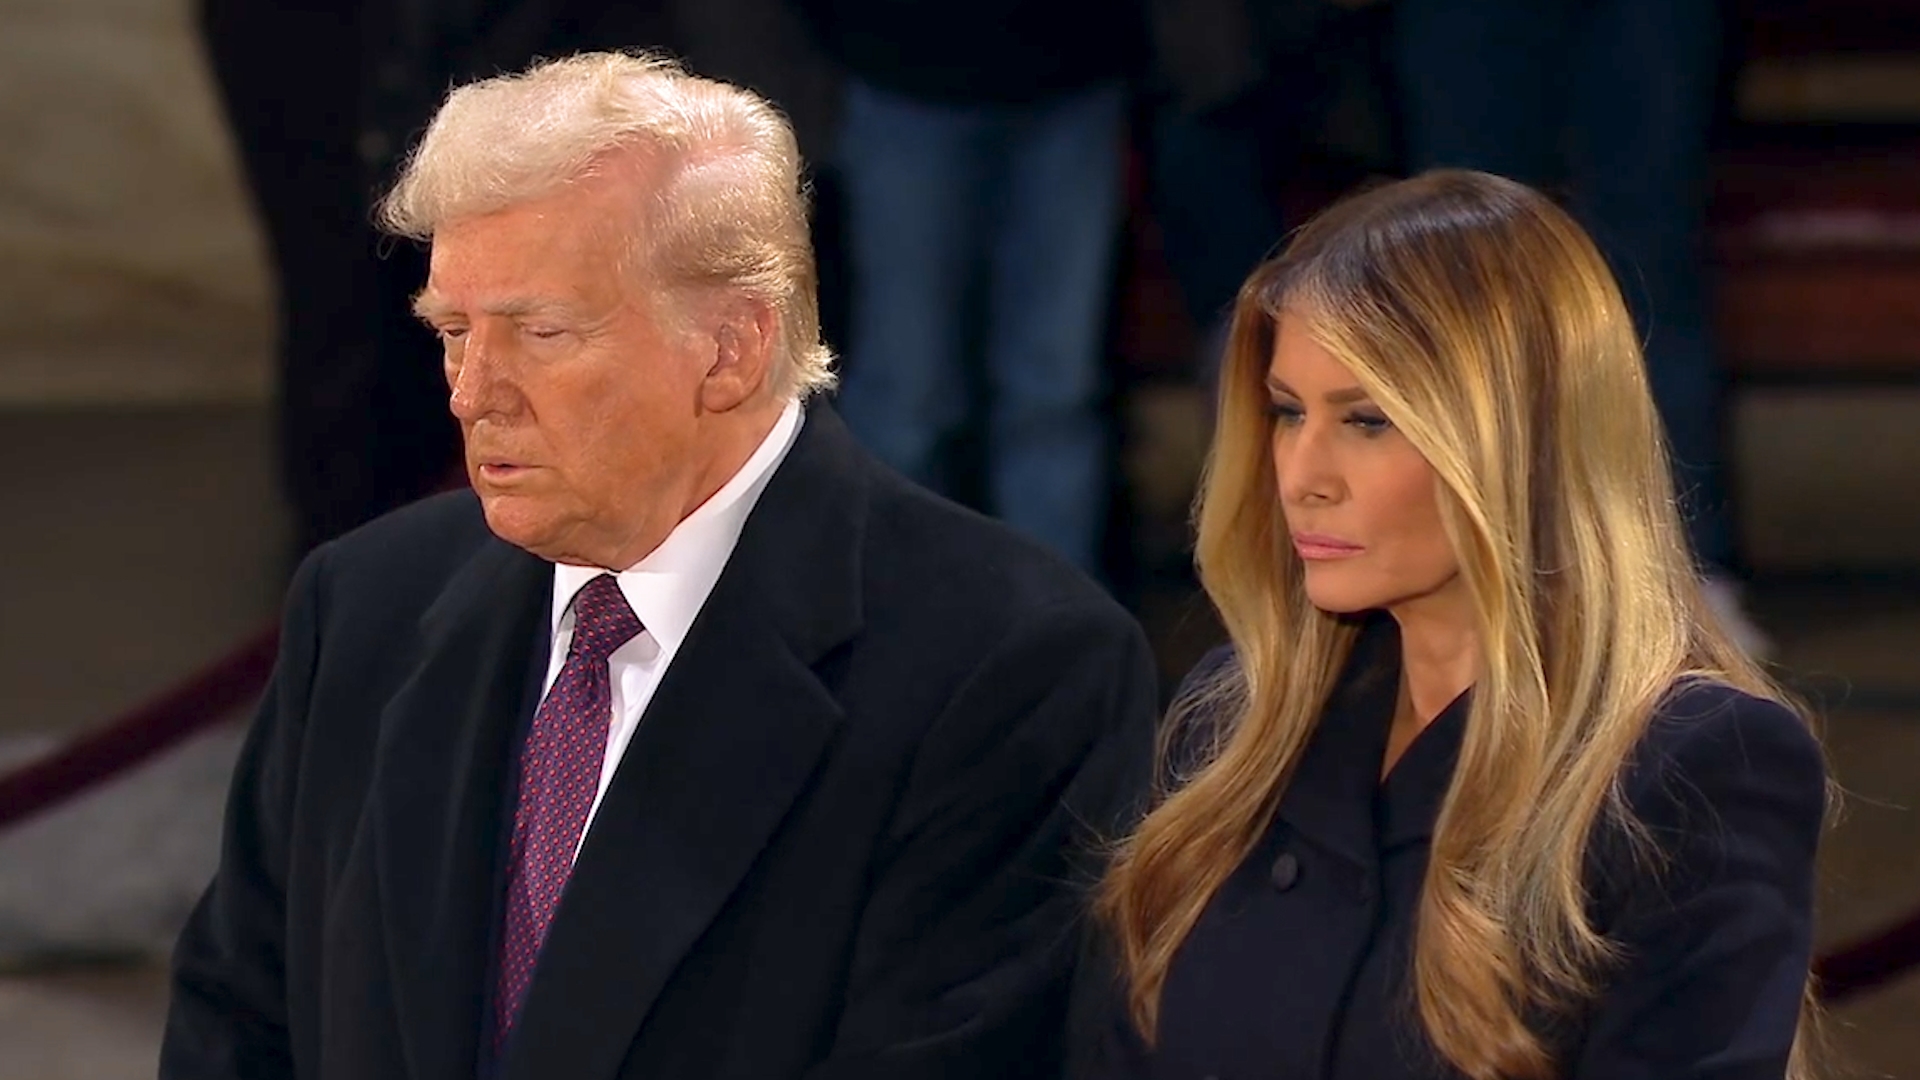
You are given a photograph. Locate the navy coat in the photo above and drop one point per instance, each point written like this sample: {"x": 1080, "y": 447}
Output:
{"x": 1300, "y": 966}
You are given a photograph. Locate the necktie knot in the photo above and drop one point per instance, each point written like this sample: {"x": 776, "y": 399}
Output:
{"x": 602, "y": 620}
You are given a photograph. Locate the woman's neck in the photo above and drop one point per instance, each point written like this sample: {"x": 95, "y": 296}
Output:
{"x": 1439, "y": 657}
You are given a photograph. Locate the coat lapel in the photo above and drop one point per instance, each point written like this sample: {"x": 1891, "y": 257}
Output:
{"x": 439, "y": 795}
{"x": 1336, "y": 797}
{"x": 730, "y": 740}
{"x": 1411, "y": 798}
{"x": 1330, "y": 797}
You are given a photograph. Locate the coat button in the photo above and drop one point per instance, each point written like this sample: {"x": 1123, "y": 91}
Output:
{"x": 1286, "y": 871}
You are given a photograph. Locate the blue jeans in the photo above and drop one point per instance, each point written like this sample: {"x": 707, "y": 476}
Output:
{"x": 1018, "y": 205}
{"x": 1615, "y": 98}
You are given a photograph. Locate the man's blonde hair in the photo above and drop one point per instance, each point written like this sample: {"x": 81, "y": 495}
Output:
{"x": 729, "y": 208}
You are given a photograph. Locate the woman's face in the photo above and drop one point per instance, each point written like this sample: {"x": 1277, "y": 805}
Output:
{"x": 1361, "y": 503}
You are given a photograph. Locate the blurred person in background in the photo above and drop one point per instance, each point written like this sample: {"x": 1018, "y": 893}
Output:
{"x": 1611, "y": 101}
{"x": 1253, "y": 99}
{"x": 981, "y": 162}
{"x": 322, "y": 99}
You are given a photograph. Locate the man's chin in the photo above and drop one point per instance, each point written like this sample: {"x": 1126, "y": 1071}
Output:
{"x": 520, "y": 521}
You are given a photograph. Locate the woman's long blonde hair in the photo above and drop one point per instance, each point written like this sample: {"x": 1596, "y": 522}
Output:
{"x": 1482, "y": 320}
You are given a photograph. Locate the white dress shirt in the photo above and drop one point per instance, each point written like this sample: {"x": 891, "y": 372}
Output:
{"x": 666, "y": 590}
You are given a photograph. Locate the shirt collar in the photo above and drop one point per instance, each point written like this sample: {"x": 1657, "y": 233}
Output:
{"x": 668, "y": 588}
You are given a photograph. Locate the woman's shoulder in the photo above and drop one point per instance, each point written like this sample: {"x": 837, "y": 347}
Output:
{"x": 1723, "y": 782}
{"x": 1707, "y": 739}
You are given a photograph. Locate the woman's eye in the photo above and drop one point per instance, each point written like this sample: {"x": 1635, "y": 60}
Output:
{"x": 1284, "y": 412}
{"x": 1370, "y": 423}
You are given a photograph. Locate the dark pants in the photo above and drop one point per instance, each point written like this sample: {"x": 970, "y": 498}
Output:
{"x": 363, "y": 419}
{"x": 363, "y": 422}
{"x": 1217, "y": 212}
{"x": 1019, "y": 202}
{"x": 1611, "y": 102}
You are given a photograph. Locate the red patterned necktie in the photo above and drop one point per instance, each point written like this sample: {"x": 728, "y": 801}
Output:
{"x": 559, "y": 775}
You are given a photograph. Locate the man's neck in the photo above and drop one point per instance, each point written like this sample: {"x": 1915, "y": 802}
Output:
{"x": 732, "y": 446}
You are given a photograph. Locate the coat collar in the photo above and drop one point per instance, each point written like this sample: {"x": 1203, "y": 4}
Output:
{"x": 1336, "y": 797}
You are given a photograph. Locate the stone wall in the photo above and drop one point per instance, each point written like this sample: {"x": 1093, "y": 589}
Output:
{"x": 131, "y": 266}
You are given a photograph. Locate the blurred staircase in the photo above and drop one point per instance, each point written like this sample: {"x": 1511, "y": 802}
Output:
{"x": 1817, "y": 195}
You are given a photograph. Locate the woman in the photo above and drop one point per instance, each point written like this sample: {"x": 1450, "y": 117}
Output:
{"x": 1481, "y": 788}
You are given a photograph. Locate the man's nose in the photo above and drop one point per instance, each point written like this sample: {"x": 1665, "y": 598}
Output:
{"x": 478, "y": 378}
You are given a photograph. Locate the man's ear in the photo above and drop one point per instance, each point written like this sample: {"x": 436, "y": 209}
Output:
{"x": 745, "y": 338}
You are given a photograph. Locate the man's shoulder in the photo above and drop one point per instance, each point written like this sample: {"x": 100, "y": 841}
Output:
{"x": 415, "y": 548}
{"x": 948, "y": 562}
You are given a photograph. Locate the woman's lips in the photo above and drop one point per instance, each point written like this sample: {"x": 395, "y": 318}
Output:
{"x": 1318, "y": 547}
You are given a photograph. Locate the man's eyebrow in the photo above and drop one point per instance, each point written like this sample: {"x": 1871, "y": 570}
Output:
{"x": 431, "y": 306}
{"x": 515, "y": 307}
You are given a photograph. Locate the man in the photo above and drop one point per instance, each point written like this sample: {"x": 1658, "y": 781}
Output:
{"x": 1612, "y": 102}
{"x": 692, "y": 742}
{"x": 982, "y": 159}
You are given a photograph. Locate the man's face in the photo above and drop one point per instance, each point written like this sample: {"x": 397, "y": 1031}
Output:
{"x": 579, "y": 405}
